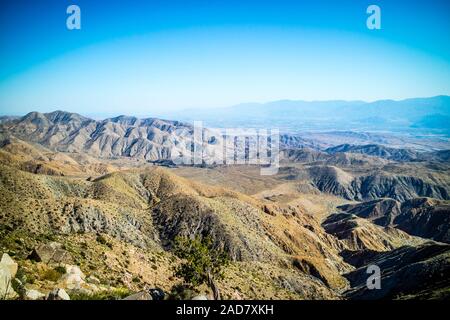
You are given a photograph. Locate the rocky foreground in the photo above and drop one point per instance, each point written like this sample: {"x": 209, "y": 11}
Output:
{"x": 61, "y": 279}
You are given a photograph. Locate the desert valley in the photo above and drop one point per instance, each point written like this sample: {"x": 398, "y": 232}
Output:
{"x": 90, "y": 209}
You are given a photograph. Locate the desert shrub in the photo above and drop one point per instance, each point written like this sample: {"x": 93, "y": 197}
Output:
{"x": 25, "y": 276}
{"x": 201, "y": 261}
{"x": 61, "y": 269}
{"x": 51, "y": 274}
{"x": 182, "y": 292}
{"x": 113, "y": 294}
{"x": 102, "y": 240}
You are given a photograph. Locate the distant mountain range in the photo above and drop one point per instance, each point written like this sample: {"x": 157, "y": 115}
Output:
{"x": 433, "y": 121}
{"x": 154, "y": 139}
{"x": 160, "y": 141}
{"x": 396, "y": 154}
{"x": 121, "y": 136}
{"x": 336, "y": 114}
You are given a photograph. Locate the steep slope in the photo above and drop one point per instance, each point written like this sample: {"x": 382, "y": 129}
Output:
{"x": 238, "y": 224}
{"x": 303, "y": 155}
{"x": 427, "y": 218}
{"x": 423, "y": 217}
{"x": 395, "y": 154}
{"x": 148, "y": 208}
{"x": 68, "y": 180}
{"x": 376, "y": 150}
{"x": 381, "y": 211}
{"x": 41, "y": 204}
{"x": 40, "y": 160}
{"x": 342, "y": 159}
{"x": 366, "y": 186}
{"x": 421, "y": 272}
{"x": 360, "y": 234}
{"x": 441, "y": 155}
{"x": 150, "y": 139}
{"x": 396, "y": 187}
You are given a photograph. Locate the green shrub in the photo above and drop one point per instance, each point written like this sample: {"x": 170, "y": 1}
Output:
{"x": 114, "y": 294}
{"x": 52, "y": 274}
{"x": 25, "y": 276}
{"x": 61, "y": 269}
{"x": 201, "y": 261}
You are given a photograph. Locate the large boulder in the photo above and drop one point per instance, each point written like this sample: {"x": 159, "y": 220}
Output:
{"x": 33, "y": 295}
{"x": 8, "y": 270}
{"x": 6, "y": 289}
{"x": 142, "y": 295}
{"x": 9, "y": 264}
{"x": 73, "y": 279}
{"x": 51, "y": 252}
{"x": 58, "y": 294}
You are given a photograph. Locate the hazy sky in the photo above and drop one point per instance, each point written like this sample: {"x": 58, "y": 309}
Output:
{"x": 148, "y": 57}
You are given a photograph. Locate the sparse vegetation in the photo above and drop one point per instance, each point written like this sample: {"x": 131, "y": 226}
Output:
{"x": 51, "y": 274}
{"x": 116, "y": 228}
{"x": 102, "y": 240}
{"x": 114, "y": 294}
{"x": 201, "y": 262}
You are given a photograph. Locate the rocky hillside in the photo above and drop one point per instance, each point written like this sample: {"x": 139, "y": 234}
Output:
{"x": 389, "y": 153}
{"x": 366, "y": 186}
{"x": 149, "y": 139}
{"x": 341, "y": 159}
{"x": 360, "y": 234}
{"x": 401, "y": 270}
{"x": 423, "y": 217}
{"x": 376, "y": 150}
{"x": 146, "y": 209}
{"x": 87, "y": 213}
{"x": 156, "y": 140}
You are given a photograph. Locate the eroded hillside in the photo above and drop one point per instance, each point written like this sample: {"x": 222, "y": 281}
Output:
{"x": 83, "y": 192}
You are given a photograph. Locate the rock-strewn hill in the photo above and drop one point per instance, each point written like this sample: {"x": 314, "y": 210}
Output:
{"x": 367, "y": 186}
{"x": 423, "y": 217}
{"x": 40, "y": 160}
{"x": 148, "y": 208}
{"x": 150, "y": 139}
{"x": 395, "y": 154}
{"x": 343, "y": 159}
{"x": 420, "y": 272}
{"x": 381, "y": 211}
{"x": 361, "y": 234}
{"x": 116, "y": 216}
{"x": 376, "y": 150}
{"x": 427, "y": 218}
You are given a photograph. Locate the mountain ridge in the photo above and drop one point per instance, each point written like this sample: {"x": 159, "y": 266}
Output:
{"x": 284, "y": 234}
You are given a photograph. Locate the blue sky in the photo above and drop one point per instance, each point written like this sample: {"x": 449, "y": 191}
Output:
{"x": 149, "y": 57}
